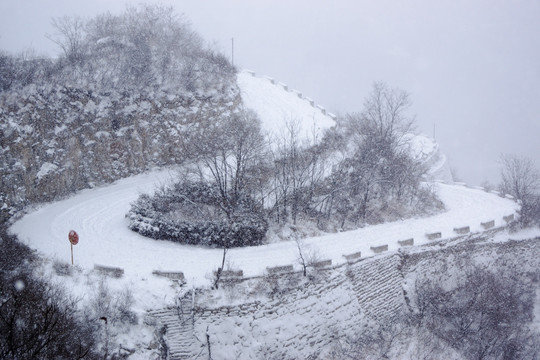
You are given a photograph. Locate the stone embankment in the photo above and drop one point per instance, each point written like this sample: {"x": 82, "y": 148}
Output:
{"x": 290, "y": 315}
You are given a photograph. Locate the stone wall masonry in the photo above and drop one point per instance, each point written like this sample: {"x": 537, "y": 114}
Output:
{"x": 408, "y": 242}
{"x": 488, "y": 224}
{"x": 301, "y": 315}
{"x": 462, "y": 230}
{"x": 509, "y": 218}
{"x": 434, "y": 236}
{"x": 352, "y": 258}
{"x": 379, "y": 249}
{"x": 173, "y": 275}
{"x": 377, "y": 282}
{"x": 297, "y": 321}
{"x": 109, "y": 270}
{"x": 519, "y": 258}
{"x": 280, "y": 269}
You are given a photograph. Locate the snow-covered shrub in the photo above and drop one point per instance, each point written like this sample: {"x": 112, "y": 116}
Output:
{"x": 189, "y": 213}
{"x": 62, "y": 268}
{"x": 114, "y": 306}
{"x": 38, "y": 319}
{"x": 485, "y": 314}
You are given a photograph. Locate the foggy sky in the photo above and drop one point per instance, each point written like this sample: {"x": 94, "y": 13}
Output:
{"x": 472, "y": 67}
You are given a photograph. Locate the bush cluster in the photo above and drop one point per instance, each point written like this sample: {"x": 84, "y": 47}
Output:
{"x": 38, "y": 320}
{"x": 189, "y": 213}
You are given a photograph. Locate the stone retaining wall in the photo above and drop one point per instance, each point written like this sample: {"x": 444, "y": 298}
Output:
{"x": 286, "y": 315}
{"x": 297, "y": 320}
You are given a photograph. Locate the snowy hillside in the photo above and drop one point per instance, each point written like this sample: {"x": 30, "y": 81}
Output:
{"x": 99, "y": 217}
{"x": 427, "y": 151}
{"x": 277, "y": 105}
{"x": 99, "y": 214}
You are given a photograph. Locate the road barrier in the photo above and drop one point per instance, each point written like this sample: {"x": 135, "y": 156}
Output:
{"x": 322, "y": 264}
{"x": 270, "y": 79}
{"x": 232, "y": 273}
{"x": 115, "y": 272}
{"x": 280, "y": 269}
{"x": 379, "y": 249}
{"x": 488, "y": 224}
{"x": 408, "y": 242}
{"x": 352, "y": 258}
{"x": 433, "y": 236}
{"x": 173, "y": 275}
{"x": 509, "y": 218}
{"x": 462, "y": 230}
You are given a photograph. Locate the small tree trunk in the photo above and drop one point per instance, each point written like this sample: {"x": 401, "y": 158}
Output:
{"x": 220, "y": 269}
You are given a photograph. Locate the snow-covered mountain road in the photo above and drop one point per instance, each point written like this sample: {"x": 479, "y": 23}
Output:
{"x": 98, "y": 215}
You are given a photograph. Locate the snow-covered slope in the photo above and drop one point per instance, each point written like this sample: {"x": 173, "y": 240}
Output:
{"x": 276, "y": 106}
{"x": 427, "y": 151}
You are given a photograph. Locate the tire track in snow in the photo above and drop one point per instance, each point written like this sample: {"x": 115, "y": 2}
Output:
{"x": 98, "y": 215}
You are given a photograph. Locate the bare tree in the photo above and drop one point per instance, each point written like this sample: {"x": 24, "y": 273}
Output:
{"x": 37, "y": 320}
{"x": 384, "y": 117}
{"x": 227, "y": 149}
{"x": 298, "y": 168}
{"x": 69, "y": 36}
{"x": 521, "y": 179}
{"x": 306, "y": 256}
{"x": 486, "y": 314}
{"x": 519, "y": 176}
{"x": 379, "y": 165}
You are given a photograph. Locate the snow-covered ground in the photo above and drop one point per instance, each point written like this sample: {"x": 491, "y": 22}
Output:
{"x": 98, "y": 215}
{"x": 277, "y": 106}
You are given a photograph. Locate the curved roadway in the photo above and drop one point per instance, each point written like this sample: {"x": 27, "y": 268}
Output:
{"x": 98, "y": 215}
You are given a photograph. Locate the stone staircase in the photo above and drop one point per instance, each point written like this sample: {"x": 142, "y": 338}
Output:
{"x": 178, "y": 322}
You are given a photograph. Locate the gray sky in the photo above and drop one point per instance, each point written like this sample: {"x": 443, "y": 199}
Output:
{"x": 472, "y": 67}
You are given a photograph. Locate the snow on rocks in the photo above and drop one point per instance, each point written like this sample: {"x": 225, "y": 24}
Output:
{"x": 45, "y": 169}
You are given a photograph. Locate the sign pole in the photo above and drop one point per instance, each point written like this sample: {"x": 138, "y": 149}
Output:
{"x": 73, "y": 240}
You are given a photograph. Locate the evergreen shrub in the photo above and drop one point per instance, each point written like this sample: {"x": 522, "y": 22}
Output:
{"x": 191, "y": 213}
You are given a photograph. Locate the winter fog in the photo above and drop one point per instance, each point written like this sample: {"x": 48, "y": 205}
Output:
{"x": 269, "y": 180}
{"x": 471, "y": 67}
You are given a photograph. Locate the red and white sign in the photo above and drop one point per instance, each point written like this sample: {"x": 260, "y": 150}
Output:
{"x": 73, "y": 237}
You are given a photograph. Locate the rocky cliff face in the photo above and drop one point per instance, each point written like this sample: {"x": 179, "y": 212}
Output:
{"x": 56, "y": 139}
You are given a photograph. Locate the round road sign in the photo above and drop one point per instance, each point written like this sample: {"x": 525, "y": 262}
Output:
{"x": 73, "y": 237}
